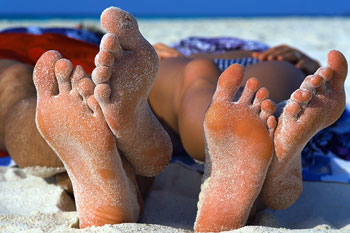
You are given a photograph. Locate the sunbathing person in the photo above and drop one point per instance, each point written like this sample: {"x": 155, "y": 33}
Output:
{"x": 104, "y": 131}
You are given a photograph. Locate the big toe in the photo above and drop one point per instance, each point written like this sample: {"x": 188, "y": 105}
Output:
{"x": 337, "y": 62}
{"x": 229, "y": 82}
{"x": 44, "y": 74}
{"x": 124, "y": 25}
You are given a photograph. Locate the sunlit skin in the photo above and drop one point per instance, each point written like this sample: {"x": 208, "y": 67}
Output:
{"x": 104, "y": 130}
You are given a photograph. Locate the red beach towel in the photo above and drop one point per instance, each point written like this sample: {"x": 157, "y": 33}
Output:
{"x": 27, "y": 48}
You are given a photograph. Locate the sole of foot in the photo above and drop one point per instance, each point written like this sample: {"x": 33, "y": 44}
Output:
{"x": 71, "y": 121}
{"x": 126, "y": 67}
{"x": 239, "y": 149}
{"x": 318, "y": 103}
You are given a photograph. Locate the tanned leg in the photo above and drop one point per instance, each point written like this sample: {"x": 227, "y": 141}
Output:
{"x": 15, "y": 84}
{"x": 239, "y": 148}
{"x": 318, "y": 103}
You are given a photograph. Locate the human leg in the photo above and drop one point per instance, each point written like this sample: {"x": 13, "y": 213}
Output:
{"x": 318, "y": 103}
{"x": 239, "y": 148}
{"x": 15, "y": 84}
{"x": 71, "y": 121}
{"x": 193, "y": 92}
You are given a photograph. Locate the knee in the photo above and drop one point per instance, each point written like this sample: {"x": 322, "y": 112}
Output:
{"x": 23, "y": 140}
{"x": 16, "y": 82}
{"x": 200, "y": 70}
{"x": 19, "y": 71}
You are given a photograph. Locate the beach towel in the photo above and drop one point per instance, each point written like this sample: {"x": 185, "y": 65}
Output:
{"x": 326, "y": 157}
{"x": 28, "y": 45}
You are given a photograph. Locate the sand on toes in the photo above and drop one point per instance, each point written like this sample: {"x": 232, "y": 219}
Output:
{"x": 126, "y": 67}
{"x": 318, "y": 103}
{"x": 239, "y": 149}
{"x": 71, "y": 121}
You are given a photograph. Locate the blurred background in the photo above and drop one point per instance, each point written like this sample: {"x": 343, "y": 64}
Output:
{"x": 178, "y": 8}
{"x": 315, "y": 27}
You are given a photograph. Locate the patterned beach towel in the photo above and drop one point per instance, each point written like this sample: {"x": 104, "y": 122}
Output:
{"x": 325, "y": 158}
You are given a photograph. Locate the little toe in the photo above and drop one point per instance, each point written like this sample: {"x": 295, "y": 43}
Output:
{"x": 124, "y": 25}
{"x": 63, "y": 70}
{"x": 268, "y": 108}
{"x": 78, "y": 74}
{"x": 86, "y": 88}
{"x": 102, "y": 93}
{"x": 229, "y": 82}
{"x": 44, "y": 74}
{"x": 250, "y": 88}
{"x": 260, "y": 96}
{"x": 101, "y": 74}
{"x": 94, "y": 106}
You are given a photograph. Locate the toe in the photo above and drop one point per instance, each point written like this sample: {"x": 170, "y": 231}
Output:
{"x": 325, "y": 72}
{"x": 260, "y": 96}
{"x": 268, "y": 108}
{"x": 102, "y": 93}
{"x": 104, "y": 58}
{"x": 94, "y": 106}
{"x": 271, "y": 125}
{"x": 124, "y": 25}
{"x": 86, "y": 88}
{"x": 77, "y": 75}
{"x": 316, "y": 81}
{"x": 306, "y": 84}
{"x": 44, "y": 74}
{"x": 110, "y": 43}
{"x": 229, "y": 82}
{"x": 63, "y": 70}
{"x": 250, "y": 88}
{"x": 301, "y": 96}
{"x": 292, "y": 109}
{"x": 339, "y": 65}
{"x": 101, "y": 74}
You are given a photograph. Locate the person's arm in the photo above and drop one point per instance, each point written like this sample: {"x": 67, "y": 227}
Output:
{"x": 163, "y": 51}
{"x": 289, "y": 54}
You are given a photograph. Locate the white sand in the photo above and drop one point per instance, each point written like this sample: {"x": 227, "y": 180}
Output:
{"x": 32, "y": 204}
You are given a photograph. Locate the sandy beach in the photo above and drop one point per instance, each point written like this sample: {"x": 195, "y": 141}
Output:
{"x": 34, "y": 204}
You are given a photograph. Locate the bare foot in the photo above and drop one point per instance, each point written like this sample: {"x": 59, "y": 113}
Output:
{"x": 239, "y": 149}
{"x": 125, "y": 69}
{"x": 317, "y": 104}
{"x": 71, "y": 121}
